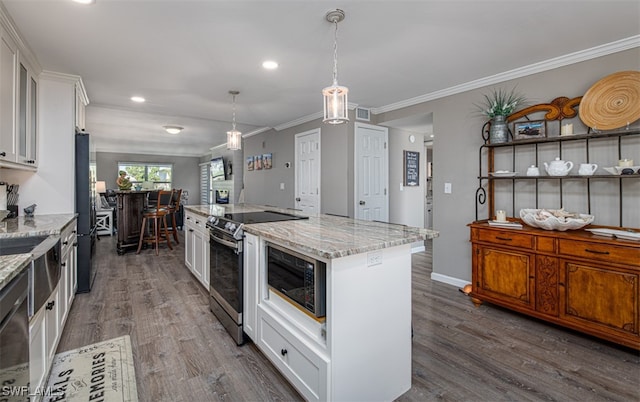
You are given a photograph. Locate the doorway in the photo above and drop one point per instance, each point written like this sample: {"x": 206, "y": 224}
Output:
{"x": 371, "y": 172}
{"x": 307, "y": 171}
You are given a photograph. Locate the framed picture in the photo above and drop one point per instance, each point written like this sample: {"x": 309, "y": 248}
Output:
{"x": 411, "y": 168}
{"x": 249, "y": 162}
{"x": 257, "y": 162}
{"x": 529, "y": 129}
{"x": 266, "y": 161}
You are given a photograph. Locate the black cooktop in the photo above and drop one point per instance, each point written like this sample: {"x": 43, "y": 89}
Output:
{"x": 261, "y": 217}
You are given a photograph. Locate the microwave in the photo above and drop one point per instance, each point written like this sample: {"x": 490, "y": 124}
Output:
{"x": 300, "y": 279}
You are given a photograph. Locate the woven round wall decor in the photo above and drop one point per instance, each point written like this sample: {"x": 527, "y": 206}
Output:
{"x": 612, "y": 102}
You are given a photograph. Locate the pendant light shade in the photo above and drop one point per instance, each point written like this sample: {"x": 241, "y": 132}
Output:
{"x": 234, "y": 137}
{"x": 335, "y": 96}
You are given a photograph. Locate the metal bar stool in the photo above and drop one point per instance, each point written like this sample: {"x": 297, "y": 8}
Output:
{"x": 159, "y": 217}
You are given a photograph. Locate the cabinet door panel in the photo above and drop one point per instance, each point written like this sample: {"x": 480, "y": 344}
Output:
{"x": 506, "y": 275}
{"x": 602, "y": 297}
{"x": 547, "y": 284}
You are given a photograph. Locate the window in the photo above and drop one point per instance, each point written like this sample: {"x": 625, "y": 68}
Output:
{"x": 149, "y": 175}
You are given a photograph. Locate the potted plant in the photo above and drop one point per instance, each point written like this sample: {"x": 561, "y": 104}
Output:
{"x": 497, "y": 106}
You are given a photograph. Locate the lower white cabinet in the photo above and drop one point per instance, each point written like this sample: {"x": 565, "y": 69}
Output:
{"x": 306, "y": 369}
{"x": 46, "y": 325}
{"x": 196, "y": 243}
{"x": 44, "y": 334}
{"x": 250, "y": 286}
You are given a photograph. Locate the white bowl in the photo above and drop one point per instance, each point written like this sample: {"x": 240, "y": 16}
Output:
{"x": 545, "y": 219}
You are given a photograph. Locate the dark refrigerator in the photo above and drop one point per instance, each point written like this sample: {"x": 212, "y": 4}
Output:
{"x": 85, "y": 208}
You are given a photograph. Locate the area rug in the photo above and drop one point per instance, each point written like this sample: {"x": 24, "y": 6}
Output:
{"x": 102, "y": 371}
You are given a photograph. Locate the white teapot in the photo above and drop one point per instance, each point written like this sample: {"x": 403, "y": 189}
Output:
{"x": 558, "y": 167}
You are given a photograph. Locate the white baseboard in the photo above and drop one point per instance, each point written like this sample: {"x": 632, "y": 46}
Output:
{"x": 449, "y": 280}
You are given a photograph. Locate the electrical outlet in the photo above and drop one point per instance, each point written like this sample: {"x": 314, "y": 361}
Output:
{"x": 374, "y": 258}
{"x": 447, "y": 188}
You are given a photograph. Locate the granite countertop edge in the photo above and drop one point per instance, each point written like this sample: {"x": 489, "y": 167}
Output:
{"x": 315, "y": 233}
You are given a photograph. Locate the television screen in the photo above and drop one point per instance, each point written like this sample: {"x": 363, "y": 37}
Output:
{"x": 217, "y": 169}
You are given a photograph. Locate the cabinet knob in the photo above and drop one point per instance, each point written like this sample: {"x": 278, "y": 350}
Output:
{"x": 362, "y": 203}
{"x": 65, "y": 242}
{"x": 190, "y": 230}
{"x": 3, "y": 154}
{"x": 283, "y": 352}
{"x": 298, "y": 199}
{"x": 50, "y": 305}
{"x": 63, "y": 264}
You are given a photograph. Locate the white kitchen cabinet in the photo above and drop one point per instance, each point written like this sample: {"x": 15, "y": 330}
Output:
{"x": 8, "y": 64}
{"x": 44, "y": 334}
{"x": 68, "y": 278}
{"x": 80, "y": 107}
{"x": 250, "y": 285}
{"x": 27, "y": 124}
{"x": 362, "y": 350}
{"x": 196, "y": 253}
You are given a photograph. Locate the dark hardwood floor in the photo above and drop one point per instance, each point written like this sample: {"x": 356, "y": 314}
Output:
{"x": 460, "y": 352}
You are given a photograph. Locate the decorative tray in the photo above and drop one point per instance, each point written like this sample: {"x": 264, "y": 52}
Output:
{"x": 503, "y": 173}
{"x": 621, "y": 234}
{"x": 617, "y": 170}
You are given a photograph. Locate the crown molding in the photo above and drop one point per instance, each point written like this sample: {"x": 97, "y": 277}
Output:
{"x": 546, "y": 65}
{"x": 23, "y": 47}
{"x": 256, "y": 132}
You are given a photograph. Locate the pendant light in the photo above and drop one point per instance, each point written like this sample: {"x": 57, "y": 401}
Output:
{"x": 234, "y": 137}
{"x": 335, "y": 96}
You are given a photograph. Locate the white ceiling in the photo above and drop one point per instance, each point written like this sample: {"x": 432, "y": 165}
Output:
{"x": 184, "y": 56}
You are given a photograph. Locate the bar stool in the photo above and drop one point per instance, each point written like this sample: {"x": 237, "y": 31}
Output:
{"x": 159, "y": 216}
{"x": 172, "y": 209}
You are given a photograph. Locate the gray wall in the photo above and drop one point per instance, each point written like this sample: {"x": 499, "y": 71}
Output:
{"x": 263, "y": 186}
{"x": 406, "y": 204}
{"x": 456, "y": 143}
{"x": 186, "y": 173}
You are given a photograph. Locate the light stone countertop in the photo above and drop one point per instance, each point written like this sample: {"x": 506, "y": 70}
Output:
{"x": 326, "y": 236}
{"x": 39, "y": 225}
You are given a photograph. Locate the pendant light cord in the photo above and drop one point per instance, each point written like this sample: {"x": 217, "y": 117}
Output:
{"x": 335, "y": 55}
{"x": 234, "y": 113}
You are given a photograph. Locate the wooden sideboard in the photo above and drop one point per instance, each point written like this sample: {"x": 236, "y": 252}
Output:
{"x": 574, "y": 279}
{"x": 130, "y": 205}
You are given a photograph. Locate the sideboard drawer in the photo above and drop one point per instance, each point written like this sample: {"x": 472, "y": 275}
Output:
{"x": 506, "y": 237}
{"x": 600, "y": 251}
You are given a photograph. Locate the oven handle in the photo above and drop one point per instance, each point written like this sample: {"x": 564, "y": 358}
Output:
{"x": 230, "y": 244}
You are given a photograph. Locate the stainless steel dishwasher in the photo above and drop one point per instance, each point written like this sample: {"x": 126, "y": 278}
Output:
{"x": 14, "y": 339}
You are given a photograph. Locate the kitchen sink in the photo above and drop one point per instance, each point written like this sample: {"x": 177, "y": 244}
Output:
{"x": 44, "y": 269}
{"x": 19, "y": 245}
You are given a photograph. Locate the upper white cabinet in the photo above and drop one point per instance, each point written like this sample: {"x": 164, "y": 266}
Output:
{"x": 8, "y": 64}
{"x": 27, "y": 114}
{"x": 81, "y": 102}
{"x": 18, "y": 104}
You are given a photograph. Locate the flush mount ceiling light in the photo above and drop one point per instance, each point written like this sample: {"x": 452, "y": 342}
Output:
{"x": 138, "y": 99}
{"x": 335, "y": 96}
{"x": 270, "y": 65}
{"x": 234, "y": 137}
{"x": 173, "y": 129}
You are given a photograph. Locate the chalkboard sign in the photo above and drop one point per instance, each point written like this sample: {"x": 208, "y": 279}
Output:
{"x": 411, "y": 168}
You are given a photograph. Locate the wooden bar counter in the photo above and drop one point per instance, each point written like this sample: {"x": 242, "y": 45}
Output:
{"x": 129, "y": 206}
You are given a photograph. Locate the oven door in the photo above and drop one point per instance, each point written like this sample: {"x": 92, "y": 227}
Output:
{"x": 225, "y": 278}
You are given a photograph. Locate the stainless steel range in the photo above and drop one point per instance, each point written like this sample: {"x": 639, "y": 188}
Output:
{"x": 226, "y": 267}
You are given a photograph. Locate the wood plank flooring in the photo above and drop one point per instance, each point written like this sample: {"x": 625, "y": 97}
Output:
{"x": 460, "y": 352}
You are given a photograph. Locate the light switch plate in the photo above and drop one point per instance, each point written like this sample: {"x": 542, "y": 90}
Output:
{"x": 447, "y": 188}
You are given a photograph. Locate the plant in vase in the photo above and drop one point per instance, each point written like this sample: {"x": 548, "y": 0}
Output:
{"x": 497, "y": 106}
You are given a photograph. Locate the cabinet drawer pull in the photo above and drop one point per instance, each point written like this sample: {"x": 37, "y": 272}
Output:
{"x": 50, "y": 305}
{"x": 283, "y": 352}
{"x": 65, "y": 242}
{"x": 3, "y": 154}
{"x": 63, "y": 264}
{"x": 596, "y": 251}
{"x": 504, "y": 238}
{"x": 190, "y": 230}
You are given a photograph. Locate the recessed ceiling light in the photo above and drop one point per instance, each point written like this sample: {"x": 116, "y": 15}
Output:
{"x": 173, "y": 129}
{"x": 138, "y": 99}
{"x": 85, "y": 1}
{"x": 270, "y": 65}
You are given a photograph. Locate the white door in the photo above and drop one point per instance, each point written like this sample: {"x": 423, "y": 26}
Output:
{"x": 371, "y": 173}
{"x": 307, "y": 172}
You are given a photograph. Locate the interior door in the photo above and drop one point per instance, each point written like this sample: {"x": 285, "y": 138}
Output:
{"x": 307, "y": 171}
{"x": 371, "y": 173}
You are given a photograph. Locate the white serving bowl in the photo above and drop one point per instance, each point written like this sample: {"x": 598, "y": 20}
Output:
{"x": 545, "y": 219}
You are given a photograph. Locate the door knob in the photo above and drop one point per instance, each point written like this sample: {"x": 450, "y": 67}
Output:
{"x": 298, "y": 199}
{"x": 362, "y": 202}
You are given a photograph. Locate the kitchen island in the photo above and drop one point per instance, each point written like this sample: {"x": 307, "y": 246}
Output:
{"x": 361, "y": 348}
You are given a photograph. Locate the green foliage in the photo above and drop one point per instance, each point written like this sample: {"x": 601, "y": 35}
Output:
{"x": 500, "y": 103}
